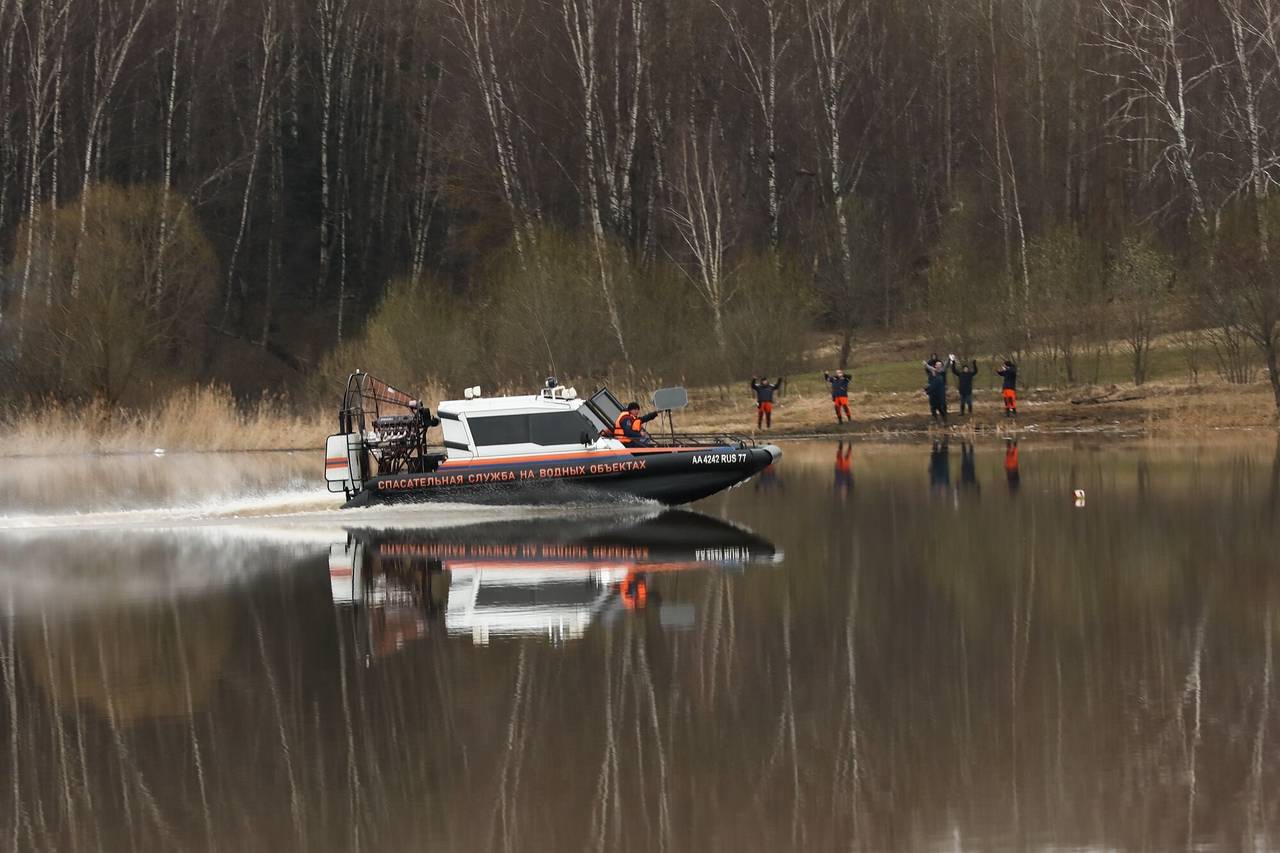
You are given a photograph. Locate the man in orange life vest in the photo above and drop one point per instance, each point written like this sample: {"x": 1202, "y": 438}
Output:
{"x": 629, "y": 427}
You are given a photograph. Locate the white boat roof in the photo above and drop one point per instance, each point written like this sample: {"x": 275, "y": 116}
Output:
{"x": 494, "y": 405}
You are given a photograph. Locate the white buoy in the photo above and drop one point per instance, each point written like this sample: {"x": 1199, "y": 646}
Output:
{"x": 159, "y": 451}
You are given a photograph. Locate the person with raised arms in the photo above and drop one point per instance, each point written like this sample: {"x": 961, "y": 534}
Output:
{"x": 839, "y": 382}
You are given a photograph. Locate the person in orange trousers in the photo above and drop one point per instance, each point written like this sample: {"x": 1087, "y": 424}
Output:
{"x": 1009, "y": 373}
{"x": 839, "y": 383}
{"x": 764, "y": 399}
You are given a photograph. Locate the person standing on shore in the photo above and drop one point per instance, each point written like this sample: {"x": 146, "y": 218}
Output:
{"x": 839, "y": 383}
{"x": 764, "y": 400}
{"x": 936, "y": 389}
{"x": 964, "y": 383}
{"x": 1009, "y": 391}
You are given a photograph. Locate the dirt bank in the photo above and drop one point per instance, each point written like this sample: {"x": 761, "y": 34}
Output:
{"x": 209, "y": 419}
{"x": 1161, "y": 408}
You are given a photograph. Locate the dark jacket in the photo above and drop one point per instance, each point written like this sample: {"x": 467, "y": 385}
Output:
{"x": 1010, "y": 374}
{"x": 839, "y": 385}
{"x": 964, "y": 378}
{"x": 764, "y": 390}
{"x": 937, "y": 379}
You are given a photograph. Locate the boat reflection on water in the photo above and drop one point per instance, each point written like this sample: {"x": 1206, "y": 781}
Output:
{"x": 549, "y": 578}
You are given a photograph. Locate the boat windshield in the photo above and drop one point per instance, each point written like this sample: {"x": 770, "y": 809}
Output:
{"x": 604, "y": 404}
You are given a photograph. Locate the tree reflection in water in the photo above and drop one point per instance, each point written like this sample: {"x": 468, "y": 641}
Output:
{"x": 1019, "y": 674}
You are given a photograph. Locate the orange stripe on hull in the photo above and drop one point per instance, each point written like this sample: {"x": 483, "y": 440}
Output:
{"x": 568, "y": 565}
{"x": 501, "y": 460}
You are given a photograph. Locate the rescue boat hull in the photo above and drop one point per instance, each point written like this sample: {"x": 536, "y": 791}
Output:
{"x": 671, "y": 476}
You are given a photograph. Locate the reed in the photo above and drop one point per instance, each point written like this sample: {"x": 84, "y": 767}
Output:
{"x": 206, "y": 417}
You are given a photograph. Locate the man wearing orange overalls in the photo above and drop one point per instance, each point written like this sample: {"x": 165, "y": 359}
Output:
{"x": 839, "y": 393}
{"x": 1009, "y": 372}
{"x": 764, "y": 399}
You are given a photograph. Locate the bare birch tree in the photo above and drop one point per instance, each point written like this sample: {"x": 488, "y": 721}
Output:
{"x": 476, "y": 33}
{"x": 118, "y": 23}
{"x": 180, "y": 8}
{"x": 330, "y": 22}
{"x": 1245, "y": 41}
{"x": 44, "y": 28}
{"x": 8, "y": 154}
{"x": 581, "y": 27}
{"x": 1149, "y": 41}
{"x": 761, "y": 66}
{"x": 354, "y": 27}
{"x": 425, "y": 196}
{"x": 267, "y": 42}
{"x": 837, "y": 29}
{"x": 701, "y": 220}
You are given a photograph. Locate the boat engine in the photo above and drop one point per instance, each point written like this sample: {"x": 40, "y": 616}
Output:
{"x": 382, "y": 430}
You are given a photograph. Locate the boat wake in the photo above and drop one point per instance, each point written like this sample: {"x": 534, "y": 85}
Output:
{"x": 92, "y": 559}
{"x": 285, "y": 502}
{"x": 296, "y": 513}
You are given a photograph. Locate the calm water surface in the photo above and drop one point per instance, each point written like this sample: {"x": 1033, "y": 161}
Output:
{"x": 876, "y": 648}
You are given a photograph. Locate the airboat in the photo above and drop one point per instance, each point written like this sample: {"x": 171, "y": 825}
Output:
{"x": 548, "y": 447}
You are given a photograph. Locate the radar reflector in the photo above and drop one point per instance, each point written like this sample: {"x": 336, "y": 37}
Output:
{"x": 670, "y": 398}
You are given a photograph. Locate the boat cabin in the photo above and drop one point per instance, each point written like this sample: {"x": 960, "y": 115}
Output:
{"x": 555, "y": 420}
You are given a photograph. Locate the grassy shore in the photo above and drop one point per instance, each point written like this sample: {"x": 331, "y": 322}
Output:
{"x": 1182, "y": 395}
{"x": 887, "y": 402}
{"x": 201, "y": 418}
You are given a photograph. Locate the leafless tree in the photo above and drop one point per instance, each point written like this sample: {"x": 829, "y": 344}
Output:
{"x": 840, "y": 46}
{"x": 45, "y": 29}
{"x": 703, "y": 224}
{"x": 268, "y": 40}
{"x": 761, "y": 65}
{"x": 118, "y": 22}
{"x": 581, "y": 26}
{"x": 1151, "y": 46}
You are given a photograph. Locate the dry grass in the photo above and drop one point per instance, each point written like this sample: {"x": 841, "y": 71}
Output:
{"x": 208, "y": 418}
{"x": 199, "y": 418}
{"x": 1166, "y": 408}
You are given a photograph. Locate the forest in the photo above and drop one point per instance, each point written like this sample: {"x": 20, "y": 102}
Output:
{"x": 269, "y": 194}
